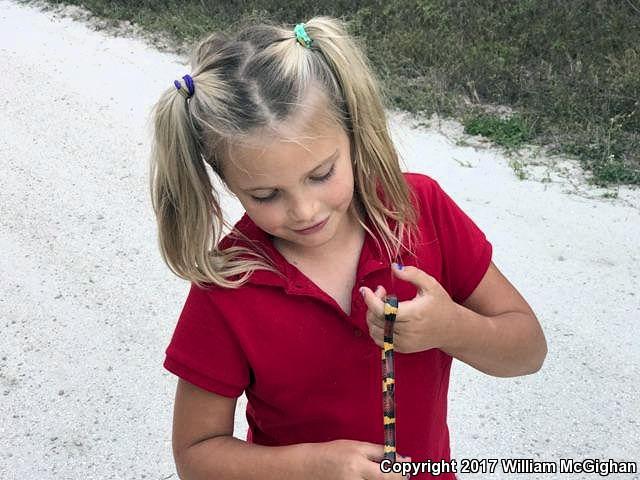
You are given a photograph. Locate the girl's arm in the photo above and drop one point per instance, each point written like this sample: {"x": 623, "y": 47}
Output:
{"x": 494, "y": 331}
{"x": 204, "y": 448}
{"x": 226, "y": 457}
{"x": 506, "y": 345}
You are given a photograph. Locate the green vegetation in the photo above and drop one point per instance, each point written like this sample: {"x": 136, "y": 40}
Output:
{"x": 509, "y": 132}
{"x": 571, "y": 70}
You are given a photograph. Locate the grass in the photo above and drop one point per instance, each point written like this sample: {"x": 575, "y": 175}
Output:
{"x": 570, "y": 70}
{"x": 510, "y": 132}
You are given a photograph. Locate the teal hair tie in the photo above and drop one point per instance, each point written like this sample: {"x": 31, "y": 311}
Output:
{"x": 302, "y": 36}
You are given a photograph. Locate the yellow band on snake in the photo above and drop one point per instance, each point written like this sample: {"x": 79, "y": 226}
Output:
{"x": 390, "y": 309}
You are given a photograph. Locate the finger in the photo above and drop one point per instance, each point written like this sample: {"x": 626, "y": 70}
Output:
{"x": 401, "y": 459}
{"x": 373, "y": 451}
{"x": 374, "y": 303}
{"x": 377, "y": 334}
{"x": 421, "y": 279}
{"x": 373, "y": 471}
{"x": 375, "y": 320}
{"x": 378, "y": 319}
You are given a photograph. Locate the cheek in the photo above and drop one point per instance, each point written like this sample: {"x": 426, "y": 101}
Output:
{"x": 343, "y": 192}
{"x": 264, "y": 217}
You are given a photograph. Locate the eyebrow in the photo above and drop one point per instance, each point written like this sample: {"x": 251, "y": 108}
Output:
{"x": 325, "y": 161}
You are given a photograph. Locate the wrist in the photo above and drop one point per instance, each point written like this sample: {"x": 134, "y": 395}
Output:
{"x": 303, "y": 458}
{"x": 462, "y": 325}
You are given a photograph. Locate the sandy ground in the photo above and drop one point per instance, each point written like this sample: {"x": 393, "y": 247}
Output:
{"x": 87, "y": 306}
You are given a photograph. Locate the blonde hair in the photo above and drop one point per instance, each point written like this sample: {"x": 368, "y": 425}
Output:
{"x": 250, "y": 81}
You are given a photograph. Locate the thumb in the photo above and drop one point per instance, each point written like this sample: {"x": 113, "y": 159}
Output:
{"x": 419, "y": 278}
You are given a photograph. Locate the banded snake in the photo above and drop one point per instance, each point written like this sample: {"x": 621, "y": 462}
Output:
{"x": 388, "y": 379}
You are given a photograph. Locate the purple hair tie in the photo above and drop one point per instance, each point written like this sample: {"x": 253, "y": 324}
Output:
{"x": 189, "y": 81}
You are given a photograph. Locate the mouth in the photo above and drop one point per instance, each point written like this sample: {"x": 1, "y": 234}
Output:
{"x": 313, "y": 228}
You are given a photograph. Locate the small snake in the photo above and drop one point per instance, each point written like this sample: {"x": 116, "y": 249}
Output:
{"x": 388, "y": 379}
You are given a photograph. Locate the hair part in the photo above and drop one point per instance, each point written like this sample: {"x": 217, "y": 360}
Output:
{"x": 253, "y": 80}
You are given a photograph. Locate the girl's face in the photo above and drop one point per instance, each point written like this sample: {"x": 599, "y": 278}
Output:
{"x": 289, "y": 185}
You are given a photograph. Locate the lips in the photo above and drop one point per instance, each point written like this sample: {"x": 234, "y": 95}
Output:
{"x": 312, "y": 226}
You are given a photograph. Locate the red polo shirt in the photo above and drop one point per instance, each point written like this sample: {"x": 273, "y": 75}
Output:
{"x": 310, "y": 372}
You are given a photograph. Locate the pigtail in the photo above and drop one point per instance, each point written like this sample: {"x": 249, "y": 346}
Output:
{"x": 180, "y": 187}
{"x": 186, "y": 205}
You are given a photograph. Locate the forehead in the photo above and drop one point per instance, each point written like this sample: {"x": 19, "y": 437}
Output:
{"x": 310, "y": 124}
{"x": 290, "y": 148}
{"x": 287, "y": 137}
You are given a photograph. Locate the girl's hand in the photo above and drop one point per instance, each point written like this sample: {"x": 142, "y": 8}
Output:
{"x": 347, "y": 460}
{"x": 421, "y": 323}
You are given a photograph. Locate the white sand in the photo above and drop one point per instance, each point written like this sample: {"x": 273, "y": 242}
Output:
{"x": 87, "y": 306}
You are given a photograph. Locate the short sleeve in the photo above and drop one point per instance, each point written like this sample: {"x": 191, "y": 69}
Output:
{"x": 466, "y": 252}
{"x": 203, "y": 351}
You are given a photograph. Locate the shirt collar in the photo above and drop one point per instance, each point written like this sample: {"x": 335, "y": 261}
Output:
{"x": 370, "y": 257}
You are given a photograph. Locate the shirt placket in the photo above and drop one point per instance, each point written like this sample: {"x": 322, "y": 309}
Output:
{"x": 302, "y": 285}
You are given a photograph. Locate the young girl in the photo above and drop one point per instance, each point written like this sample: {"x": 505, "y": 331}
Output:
{"x": 289, "y": 306}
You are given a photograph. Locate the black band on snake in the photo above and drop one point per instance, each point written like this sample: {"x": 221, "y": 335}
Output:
{"x": 388, "y": 379}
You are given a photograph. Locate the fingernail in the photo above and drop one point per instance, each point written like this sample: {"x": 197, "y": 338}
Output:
{"x": 397, "y": 266}
{"x": 362, "y": 291}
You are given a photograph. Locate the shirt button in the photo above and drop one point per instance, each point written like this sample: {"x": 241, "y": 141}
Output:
{"x": 357, "y": 332}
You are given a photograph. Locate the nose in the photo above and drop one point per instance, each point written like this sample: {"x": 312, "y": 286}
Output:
{"x": 302, "y": 210}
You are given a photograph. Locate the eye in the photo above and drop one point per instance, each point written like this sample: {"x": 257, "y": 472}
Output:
{"x": 321, "y": 179}
{"x": 265, "y": 199}
{"x": 326, "y": 176}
